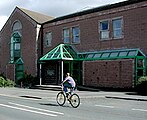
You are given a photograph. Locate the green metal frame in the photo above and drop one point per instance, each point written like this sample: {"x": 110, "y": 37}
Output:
{"x": 66, "y": 52}
{"x": 61, "y": 52}
{"x": 111, "y": 54}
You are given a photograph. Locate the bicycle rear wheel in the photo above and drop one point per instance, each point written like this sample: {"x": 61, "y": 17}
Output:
{"x": 74, "y": 100}
{"x": 61, "y": 98}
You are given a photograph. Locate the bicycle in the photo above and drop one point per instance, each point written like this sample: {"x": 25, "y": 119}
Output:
{"x": 73, "y": 99}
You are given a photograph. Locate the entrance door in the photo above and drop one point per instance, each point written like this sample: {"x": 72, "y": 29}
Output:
{"x": 140, "y": 67}
{"x": 50, "y": 74}
{"x": 75, "y": 69}
{"x": 19, "y": 70}
{"x": 67, "y": 68}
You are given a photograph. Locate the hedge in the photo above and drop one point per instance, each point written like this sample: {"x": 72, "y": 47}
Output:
{"x": 6, "y": 82}
{"x": 142, "y": 85}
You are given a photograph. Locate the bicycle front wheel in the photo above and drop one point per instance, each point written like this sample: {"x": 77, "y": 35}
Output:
{"x": 61, "y": 98}
{"x": 74, "y": 100}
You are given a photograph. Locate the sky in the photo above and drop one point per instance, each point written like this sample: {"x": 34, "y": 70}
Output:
{"x": 55, "y": 8}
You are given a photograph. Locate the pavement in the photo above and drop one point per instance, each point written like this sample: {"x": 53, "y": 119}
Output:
{"x": 39, "y": 93}
{"x": 99, "y": 93}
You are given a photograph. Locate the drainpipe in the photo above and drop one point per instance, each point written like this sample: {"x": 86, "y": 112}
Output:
{"x": 40, "y": 74}
{"x": 62, "y": 70}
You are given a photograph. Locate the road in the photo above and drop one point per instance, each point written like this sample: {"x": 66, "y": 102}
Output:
{"x": 27, "y": 104}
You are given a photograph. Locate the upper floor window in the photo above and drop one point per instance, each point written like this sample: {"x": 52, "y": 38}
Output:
{"x": 71, "y": 35}
{"x": 117, "y": 28}
{"x": 48, "y": 39}
{"x": 17, "y": 26}
{"x": 75, "y": 35}
{"x": 66, "y": 35}
{"x": 104, "y": 29}
{"x": 15, "y": 47}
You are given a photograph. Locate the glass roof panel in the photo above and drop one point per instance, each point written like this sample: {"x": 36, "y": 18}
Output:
{"x": 104, "y": 55}
{"x": 49, "y": 55}
{"x": 132, "y": 53}
{"x": 90, "y": 56}
{"x": 123, "y": 53}
{"x": 98, "y": 55}
{"x": 114, "y": 54}
{"x": 56, "y": 55}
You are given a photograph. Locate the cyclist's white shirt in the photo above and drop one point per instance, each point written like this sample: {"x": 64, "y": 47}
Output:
{"x": 70, "y": 80}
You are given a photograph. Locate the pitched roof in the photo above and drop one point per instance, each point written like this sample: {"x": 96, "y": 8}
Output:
{"x": 60, "y": 52}
{"x": 38, "y": 17}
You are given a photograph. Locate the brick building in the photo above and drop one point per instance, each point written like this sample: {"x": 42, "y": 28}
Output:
{"x": 20, "y": 44}
{"x": 101, "y": 47}
{"x": 109, "y": 42}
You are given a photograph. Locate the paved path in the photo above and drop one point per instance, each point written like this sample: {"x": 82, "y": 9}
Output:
{"x": 40, "y": 94}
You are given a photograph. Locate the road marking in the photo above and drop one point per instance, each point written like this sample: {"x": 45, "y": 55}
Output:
{"x": 142, "y": 110}
{"x": 29, "y": 98}
{"x": 105, "y": 106}
{"x": 20, "y": 105}
{"x": 12, "y": 96}
{"x": 22, "y": 109}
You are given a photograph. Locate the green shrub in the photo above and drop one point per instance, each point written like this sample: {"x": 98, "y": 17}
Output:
{"x": 142, "y": 85}
{"x": 2, "y": 81}
{"x": 9, "y": 83}
{"x": 6, "y": 82}
{"x": 28, "y": 80}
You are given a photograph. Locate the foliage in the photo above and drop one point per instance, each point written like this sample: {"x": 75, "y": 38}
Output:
{"x": 6, "y": 82}
{"x": 28, "y": 80}
{"x": 142, "y": 85}
{"x": 142, "y": 80}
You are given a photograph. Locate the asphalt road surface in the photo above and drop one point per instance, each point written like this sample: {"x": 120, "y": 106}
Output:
{"x": 27, "y": 104}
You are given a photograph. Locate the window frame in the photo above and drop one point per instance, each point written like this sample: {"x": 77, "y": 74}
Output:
{"x": 116, "y": 29}
{"x": 48, "y": 39}
{"x": 101, "y": 31}
{"x": 75, "y": 35}
{"x": 68, "y": 36}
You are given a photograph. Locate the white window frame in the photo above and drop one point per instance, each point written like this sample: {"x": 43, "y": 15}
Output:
{"x": 48, "y": 39}
{"x": 76, "y": 37}
{"x": 120, "y": 29}
{"x": 104, "y": 34}
{"x": 66, "y": 36}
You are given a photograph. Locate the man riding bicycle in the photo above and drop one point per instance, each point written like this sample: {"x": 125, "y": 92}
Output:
{"x": 68, "y": 83}
{"x": 64, "y": 95}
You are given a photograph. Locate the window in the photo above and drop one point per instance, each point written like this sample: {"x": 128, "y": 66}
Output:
{"x": 15, "y": 51}
{"x": 66, "y": 36}
{"x": 71, "y": 35}
{"x": 117, "y": 28}
{"x": 17, "y": 26}
{"x": 104, "y": 29}
{"x": 75, "y": 35}
{"x": 17, "y": 46}
{"x": 111, "y": 29}
{"x": 48, "y": 39}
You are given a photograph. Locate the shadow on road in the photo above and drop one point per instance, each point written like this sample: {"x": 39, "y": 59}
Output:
{"x": 51, "y": 104}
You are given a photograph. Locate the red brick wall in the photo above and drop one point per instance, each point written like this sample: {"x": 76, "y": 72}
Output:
{"x": 111, "y": 73}
{"x": 10, "y": 71}
{"x": 28, "y": 43}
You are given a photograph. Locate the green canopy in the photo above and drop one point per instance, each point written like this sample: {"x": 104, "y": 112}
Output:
{"x": 111, "y": 54}
{"x": 66, "y": 52}
{"x": 61, "y": 52}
